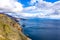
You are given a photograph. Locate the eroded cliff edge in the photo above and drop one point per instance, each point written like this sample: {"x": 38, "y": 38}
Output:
{"x": 10, "y": 29}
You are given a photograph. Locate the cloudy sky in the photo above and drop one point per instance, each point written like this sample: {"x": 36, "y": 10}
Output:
{"x": 31, "y": 8}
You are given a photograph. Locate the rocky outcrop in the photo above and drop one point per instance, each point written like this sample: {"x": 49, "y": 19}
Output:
{"x": 10, "y": 29}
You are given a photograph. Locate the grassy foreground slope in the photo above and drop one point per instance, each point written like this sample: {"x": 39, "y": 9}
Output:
{"x": 10, "y": 29}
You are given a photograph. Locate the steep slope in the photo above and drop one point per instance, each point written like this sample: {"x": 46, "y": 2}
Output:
{"x": 10, "y": 29}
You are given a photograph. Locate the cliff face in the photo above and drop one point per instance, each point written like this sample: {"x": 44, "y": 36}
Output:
{"x": 10, "y": 29}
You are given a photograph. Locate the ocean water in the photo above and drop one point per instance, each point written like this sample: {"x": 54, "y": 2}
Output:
{"x": 41, "y": 29}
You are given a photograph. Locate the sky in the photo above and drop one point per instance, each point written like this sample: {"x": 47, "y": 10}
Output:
{"x": 26, "y": 2}
{"x": 31, "y": 8}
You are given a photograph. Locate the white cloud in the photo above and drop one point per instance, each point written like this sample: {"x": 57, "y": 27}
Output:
{"x": 43, "y": 9}
{"x": 39, "y": 8}
{"x": 10, "y": 6}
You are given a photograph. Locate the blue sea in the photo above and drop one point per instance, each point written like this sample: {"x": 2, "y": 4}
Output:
{"x": 41, "y": 29}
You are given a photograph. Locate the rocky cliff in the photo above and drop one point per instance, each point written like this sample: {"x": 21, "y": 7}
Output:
{"x": 10, "y": 29}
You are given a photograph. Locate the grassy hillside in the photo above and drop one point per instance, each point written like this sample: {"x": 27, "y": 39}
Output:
{"x": 10, "y": 29}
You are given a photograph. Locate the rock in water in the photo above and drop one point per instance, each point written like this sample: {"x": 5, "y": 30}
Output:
{"x": 10, "y": 29}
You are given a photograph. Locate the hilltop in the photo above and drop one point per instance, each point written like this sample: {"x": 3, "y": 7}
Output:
{"x": 10, "y": 29}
